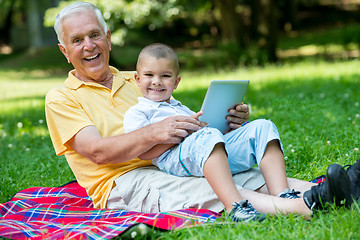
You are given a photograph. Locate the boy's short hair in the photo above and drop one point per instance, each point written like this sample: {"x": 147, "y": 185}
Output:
{"x": 159, "y": 50}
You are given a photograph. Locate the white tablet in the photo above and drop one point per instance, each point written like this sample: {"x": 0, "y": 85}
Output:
{"x": 220, "y": 97}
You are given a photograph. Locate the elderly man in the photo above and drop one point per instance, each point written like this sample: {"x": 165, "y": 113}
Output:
{"x": 85, "y": 115}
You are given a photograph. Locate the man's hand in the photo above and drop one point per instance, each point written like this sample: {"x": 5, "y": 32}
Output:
{"x": 173, "y": 130}
{"x": 169, "y": 132}
{"x": 197, "y": 115}
{"x": 238, "y": 115}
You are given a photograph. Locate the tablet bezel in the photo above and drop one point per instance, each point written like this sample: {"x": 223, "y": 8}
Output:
{"x": 220, "y": 97}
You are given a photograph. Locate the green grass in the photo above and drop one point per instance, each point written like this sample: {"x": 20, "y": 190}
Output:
{"x": 315, "y": 105}
{"x": 27, "y": 157}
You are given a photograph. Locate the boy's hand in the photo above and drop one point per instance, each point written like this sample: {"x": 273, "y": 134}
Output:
{"x": 238, "y": 115}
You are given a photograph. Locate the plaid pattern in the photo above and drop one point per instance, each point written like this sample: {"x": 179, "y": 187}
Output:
{"x": 67, "y": 213}
{"x": 319, "y": 179}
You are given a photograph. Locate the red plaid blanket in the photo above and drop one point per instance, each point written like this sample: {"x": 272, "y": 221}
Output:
{"x": 67, "y": 213}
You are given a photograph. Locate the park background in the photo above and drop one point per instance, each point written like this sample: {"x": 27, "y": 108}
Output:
{"x": 301, "y": 56}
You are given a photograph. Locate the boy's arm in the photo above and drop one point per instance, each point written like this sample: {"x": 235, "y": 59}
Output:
{"x": 156, "y": 151}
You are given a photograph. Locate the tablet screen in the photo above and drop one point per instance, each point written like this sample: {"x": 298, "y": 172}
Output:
{"x": 220, "y": 97}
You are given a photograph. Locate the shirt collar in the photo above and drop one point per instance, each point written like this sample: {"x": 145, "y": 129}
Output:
{"x": 119, "y": 79}
{"x": 149, "y": 102}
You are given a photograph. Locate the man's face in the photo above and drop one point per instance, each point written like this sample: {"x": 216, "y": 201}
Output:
{"x": 157, "y": 78}
{"x": 86, "y": 46}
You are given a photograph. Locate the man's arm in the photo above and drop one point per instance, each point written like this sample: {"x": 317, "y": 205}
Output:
{"x": 122, "y": 148}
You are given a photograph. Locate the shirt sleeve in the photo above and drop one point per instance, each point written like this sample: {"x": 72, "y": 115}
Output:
{"x": 188, "y": 110}
{"x": 134, "y": 119}
{"x": 65, "y": 117}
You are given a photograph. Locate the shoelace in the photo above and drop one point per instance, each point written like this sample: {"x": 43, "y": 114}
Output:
{"x": 244, "y": 211}
{"x": 244, "y": 206}
{"x": 290, "y": 194}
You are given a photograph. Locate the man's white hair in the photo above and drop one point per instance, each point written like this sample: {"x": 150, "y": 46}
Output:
{"x": 76, "y": 8}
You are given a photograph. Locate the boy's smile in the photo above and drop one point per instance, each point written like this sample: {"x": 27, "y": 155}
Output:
{"x": 157, "y": 78}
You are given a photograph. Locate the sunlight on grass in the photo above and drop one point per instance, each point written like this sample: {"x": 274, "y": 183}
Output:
{"x": 18, "y": 104}
{"x": 305, "y": 71}
{"x": 23, "y": 88}
{"x": 313, "y": 50}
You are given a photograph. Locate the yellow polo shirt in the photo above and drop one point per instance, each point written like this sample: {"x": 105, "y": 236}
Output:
{"x": 77, "y": 104}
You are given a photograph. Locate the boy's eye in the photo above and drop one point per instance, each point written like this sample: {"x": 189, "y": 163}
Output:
{"x": 148, "y": 74}
{"x": 166, "y": 76}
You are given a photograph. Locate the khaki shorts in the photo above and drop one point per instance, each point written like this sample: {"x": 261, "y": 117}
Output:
{"x": 149, "y": 190}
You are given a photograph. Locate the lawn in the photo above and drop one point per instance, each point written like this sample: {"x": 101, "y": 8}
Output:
{"x": 315, "y": 105}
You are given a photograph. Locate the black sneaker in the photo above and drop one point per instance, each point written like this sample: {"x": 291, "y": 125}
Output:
{"x": 353, "y": 171}
{"x": 244, "y": 212}
{"x": 335, "y": 189}
{"x": 289, "y": 194}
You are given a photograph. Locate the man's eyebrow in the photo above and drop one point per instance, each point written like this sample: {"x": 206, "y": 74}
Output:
{"x": 73, "y": 36}
{"x": 76, "y": 35}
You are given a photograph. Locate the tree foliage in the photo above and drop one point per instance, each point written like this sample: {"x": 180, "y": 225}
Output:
{"x": 244, "y": 29}
{"x": 123, "y": 15}
{"x": 225, "y": 20}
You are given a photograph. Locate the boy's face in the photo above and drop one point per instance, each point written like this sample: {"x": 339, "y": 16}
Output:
{"x": 157, "y": 78}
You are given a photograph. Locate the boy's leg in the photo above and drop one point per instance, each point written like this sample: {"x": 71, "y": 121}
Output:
{"x": 203, "y": 154}
{"x": 258, "y": 142}
{"x": 217, "y": 173}
{"x": 189, "y": 157}
{"x": 272, "y": 167}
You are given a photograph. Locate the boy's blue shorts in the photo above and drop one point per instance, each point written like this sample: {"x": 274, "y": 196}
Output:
{"x": 245, "y": 147}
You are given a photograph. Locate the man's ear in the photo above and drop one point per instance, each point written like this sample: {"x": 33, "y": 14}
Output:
{"x": 177, "y": 81}
{"x": 63, "y": 50}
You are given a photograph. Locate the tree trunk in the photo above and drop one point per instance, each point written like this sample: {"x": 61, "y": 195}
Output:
{"x": 267, "y": 28}
{"x": 230, "y": 22}
{"x": 290, "y": 11}
{"x": 5, "y": 31}
{"x": 34, "y": 24}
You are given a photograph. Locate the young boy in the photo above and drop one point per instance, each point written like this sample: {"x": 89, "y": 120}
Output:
{"x": 208, "y": 152}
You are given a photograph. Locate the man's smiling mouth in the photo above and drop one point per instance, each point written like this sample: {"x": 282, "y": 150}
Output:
{"x": 92, "y": 58}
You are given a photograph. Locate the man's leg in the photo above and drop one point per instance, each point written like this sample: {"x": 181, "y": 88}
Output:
{"x": 299, "y": 185}
{"x": 272, "y": 204}
{"x": 335, "y": 189}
